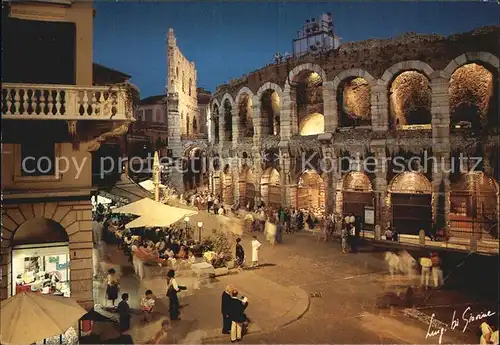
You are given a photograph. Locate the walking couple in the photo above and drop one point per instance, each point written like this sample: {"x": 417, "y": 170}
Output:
{"x": 234, "y": 319}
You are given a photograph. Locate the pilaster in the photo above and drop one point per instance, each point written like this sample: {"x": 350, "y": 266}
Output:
{"x": 379, "y": 107}
{"x": 257, "y": 122}
{"x": 330, "y": 107}
{"x": 174, "y": 141}
{"x": 288, "y": 111}
{"x": 285, "y": 177}
{"x": 257, "y": 170}
{"x": 235, "y": 172}
{"x": 236, "y": 126}
{"x": 380, "y": 187}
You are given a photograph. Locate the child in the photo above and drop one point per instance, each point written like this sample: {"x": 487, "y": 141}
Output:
{"x": 147, "y": 306}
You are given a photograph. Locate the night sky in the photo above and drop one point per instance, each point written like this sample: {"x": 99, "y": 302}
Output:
{"x": 227, "y": 40}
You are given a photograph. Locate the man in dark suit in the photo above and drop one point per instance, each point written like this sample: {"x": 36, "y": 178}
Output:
{"x": 225, "y": 309}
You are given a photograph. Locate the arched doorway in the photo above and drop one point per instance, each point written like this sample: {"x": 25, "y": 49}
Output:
{"x": 270, "y": 112}
{"x": 474, "y": 205}
{"x": 270, "y": 187}
{"x": 311, "y": 191}
{"x": 40, "y": 257}
{"x": 410, "y": 98}
{"x": 356, "y": 194}
{"x": 247, "y": 186}
{"x": 195, "y": 169}
{"x": 353, "y": 102}
{"x": 411, "y": 201}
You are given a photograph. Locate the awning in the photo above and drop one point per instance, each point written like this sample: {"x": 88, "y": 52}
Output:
{"x": 149, "y": 185}
{"x": 126, "y": 191}
{"x": 153, "y": 213}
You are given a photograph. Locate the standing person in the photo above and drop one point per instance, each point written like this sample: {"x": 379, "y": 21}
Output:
{"x": 124, "y": 313}
{"x": 161, "y": 337}
{"x": 240, "y": 254}
{"x": 113, "y": 286}
{"x": 237, "y": 315}
{"x": 255, "y": 251}
{"x": 426, "y": 264}
{"x": 172, "y": 289}
{"x": 345, "y": 244}
{"x": 210, "y": 202}
{"x": 216, "y": 205}
{"x": 437, "y": 272}
{"x": 225, "y": 307}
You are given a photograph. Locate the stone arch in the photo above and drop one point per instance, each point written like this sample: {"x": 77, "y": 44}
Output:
{"x": 410, "y": 182}
{"x": 270, "y": 187}
{"x": 228, "y": 97}
{"x": 247, "y": 186}
{"x": 473, "y": 90}
{"x": 353, "y": 72}
{"x": 195, "y": 156}
{"x": 38, "y": 231}
{"x": 304, "y": 67}
{"x": 481, "y": 57}
{"x": 311, "y": 190}
{"x": 244, "y": 101}
{"x": 304, "y": 89}
{"x": 227, "y": 185}
{"x": 269, "y": 98}
{"x": 311, "y": 124}
{"x": 215, "y": 102}
{"x": 241, "y": 92}
{"x": 357, "y": 181}
{"x": 412, "y": 65}
{"x": 268, "y": 86}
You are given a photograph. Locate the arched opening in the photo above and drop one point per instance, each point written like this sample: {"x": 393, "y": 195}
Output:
{"x": 40, "y": 258}
{"x": 353, "y": 102}
{"x": 228, "y": 121}
{"x": 183, "y": 81}
{"x": 311, "y": 191}
{"x": 411, "y": 201}
{"x": 190, "y": 86}
{"x": 410, "y": 99}
{"x": 356, "y": 194}
{"x": 195, "y": 126}
{"x": 215, "y": 119}
{"x": 270, "y": 112}
{"x": 227, "y": 185}
{"x": 472, "y": 97}
{"x": 247, "y": 186}
{"x": 187, "y": 125}
{"x": 474, "y": 205}
{"x": 308, "y": 87}
{"x": 270, "y": 187}
{"x": 245, "y": 126}
{"x": 196, "y": 168}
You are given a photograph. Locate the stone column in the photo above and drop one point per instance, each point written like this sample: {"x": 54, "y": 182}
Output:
{"x": 237, "y": 133}
{"x": 287, "y": 109}
{"x": 380, "y": 186}
{"x": 330, "y": 107}
{"x": 235, "y": 172}
{"x": 257, "y": 171}
{"x": 330, "y": 166}
{"x": 379, "y": 107}
{"x": 174, "y": 141}
{"x": 285, "y": 173}
{"x": 257, "y": 122}
{"x": 441, "y": 147}
{"x": 222, "y": 133}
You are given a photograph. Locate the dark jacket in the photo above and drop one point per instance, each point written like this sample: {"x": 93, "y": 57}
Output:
{"x": 226, "y": 301}
{"x": 240, "y": 253}
{"x": 237, "y": 310}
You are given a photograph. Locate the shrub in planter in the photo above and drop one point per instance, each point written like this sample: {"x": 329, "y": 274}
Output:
{"x": 221, "y": 245}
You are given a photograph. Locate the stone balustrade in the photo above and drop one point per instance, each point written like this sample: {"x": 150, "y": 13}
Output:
{"x": 64, "y": 102}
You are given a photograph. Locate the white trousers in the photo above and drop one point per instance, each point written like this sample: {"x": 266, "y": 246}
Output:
{"x": 95, "y": 261}
{"x": 425, "y": 276}
{"x": 437, "y": 276}
{"x": 235, "y": 331}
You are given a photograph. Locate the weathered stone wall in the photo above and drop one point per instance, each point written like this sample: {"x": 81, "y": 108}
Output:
{"x": 76, "y": 218}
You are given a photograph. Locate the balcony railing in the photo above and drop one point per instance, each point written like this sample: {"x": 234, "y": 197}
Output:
{"x": 64, "y": 102}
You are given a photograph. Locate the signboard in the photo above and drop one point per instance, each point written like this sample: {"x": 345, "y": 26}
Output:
{"x": 369, "y": 215}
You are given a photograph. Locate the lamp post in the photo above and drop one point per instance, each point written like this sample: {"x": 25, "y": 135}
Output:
{"x": 200, "y": 228}
{"x": 186, "y": 219}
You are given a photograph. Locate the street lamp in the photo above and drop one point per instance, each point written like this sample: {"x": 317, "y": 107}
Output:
{"x": 200, "y": 228}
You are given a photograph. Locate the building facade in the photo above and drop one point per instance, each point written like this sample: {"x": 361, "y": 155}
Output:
{"x": 187, "y": 138}
{"x": 323, "y": 132}
{"x": 54, "y": 120}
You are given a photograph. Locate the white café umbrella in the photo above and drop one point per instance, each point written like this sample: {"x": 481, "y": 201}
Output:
{"x": 30, "y": 317}
{"x": 149, "y": 207}
{"x": 160, "y": 220}
{"x": 149, "y": 185}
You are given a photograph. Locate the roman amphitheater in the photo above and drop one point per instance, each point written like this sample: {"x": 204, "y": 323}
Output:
{"x": 412, "y": 96}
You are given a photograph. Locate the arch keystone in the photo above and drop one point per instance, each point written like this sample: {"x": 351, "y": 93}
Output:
{"x": 39, "y": 209}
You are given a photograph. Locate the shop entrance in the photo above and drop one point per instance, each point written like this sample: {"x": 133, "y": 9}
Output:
{"x": 356, "y": 194}
{"x": 411, "y": 201}
{"x": 311, "y": 191}
{"x": 40, "y": 258}
{"x": 270, "y": 187}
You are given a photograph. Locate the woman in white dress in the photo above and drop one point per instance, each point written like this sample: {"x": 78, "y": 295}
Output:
{"x": 255, "y": 251}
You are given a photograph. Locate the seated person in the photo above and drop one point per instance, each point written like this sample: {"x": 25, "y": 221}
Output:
{"x": 388, "y": 234}
{"x": 191, "y": 258}
{"x": 147, "y": 305}
{"x": 182, "y": 253}
{"x": 169, "y": 254}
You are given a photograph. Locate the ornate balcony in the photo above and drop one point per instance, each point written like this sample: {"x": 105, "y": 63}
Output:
{"x": 65, "y": 102}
